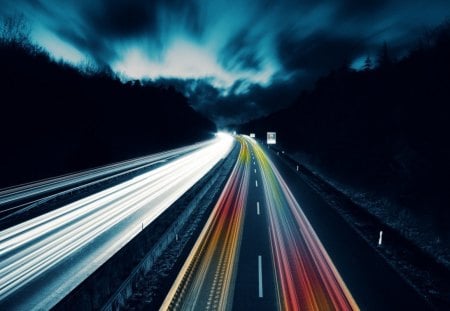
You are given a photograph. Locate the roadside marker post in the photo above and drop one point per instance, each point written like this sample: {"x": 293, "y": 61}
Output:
{"x": 380, "y": 239}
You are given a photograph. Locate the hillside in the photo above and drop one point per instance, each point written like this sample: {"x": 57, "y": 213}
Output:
{"x": 381, "y": 135}
{"x": 56, "y": 119}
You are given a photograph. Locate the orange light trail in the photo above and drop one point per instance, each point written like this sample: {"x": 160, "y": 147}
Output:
{"x": 206, "y": 280}
{"x": 305, "y": 277}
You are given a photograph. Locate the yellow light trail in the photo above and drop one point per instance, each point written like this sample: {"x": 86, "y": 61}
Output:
{"x": 306, "y": 276}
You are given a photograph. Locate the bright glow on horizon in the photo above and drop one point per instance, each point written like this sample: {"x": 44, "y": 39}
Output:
{"x": 224, "y": 136}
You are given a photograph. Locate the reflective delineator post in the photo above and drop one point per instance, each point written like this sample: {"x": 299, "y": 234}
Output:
{"x": 380, "y": 239}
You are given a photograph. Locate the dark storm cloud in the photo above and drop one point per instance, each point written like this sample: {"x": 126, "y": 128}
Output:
{"x": 312, "y": 54}
{"x": 235, "y": 54}
{"x": 257, "y": 102}
{"x": 132, "y": 18}
{"x": 121, "y": 18}
{"x": 234, "y": 59}
{"x": 234, "y": 108}
{"x": 349, "y": 8}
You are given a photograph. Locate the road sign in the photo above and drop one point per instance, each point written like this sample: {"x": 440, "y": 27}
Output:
{"x": 271, "y": 138}
{"x": 252, "y": 135}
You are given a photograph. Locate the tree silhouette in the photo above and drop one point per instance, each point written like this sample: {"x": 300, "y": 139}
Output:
{"x": 384, "y": 58}
{"x": 14, "y": 29}
{"x": 56, "y": 118}
{"x": 382, "y": 130}
{"x": 367, "y": 63}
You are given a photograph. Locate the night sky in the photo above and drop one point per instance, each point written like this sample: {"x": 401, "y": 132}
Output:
{"x": 236, "y": 60}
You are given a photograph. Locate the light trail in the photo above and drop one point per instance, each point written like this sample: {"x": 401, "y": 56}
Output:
{"x": 48, "y": 188}
{"x": 43, "y": 259}
{"x": 306, "y": 276}
{"x": 207, "y": 277}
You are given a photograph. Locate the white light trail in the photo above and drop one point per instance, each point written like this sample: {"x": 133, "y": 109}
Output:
{"x": 48, "y": 256}
{"x": 42, "y": 187}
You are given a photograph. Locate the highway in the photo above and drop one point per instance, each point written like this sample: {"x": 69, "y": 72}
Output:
{"x": 372, "y": 281}
{"x": 44, "y": 258}
{"x": 19, "y": 199}
{"x": 258, "y": 250}
{"x": 305, "y": 275}
{"x": 206, "y": 280}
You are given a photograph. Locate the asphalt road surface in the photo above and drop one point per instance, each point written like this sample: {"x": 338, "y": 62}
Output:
{"x": 44, "y": 258}
{"x": 258, "y": 250}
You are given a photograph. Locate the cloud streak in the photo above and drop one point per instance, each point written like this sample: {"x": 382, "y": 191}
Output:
{"x": 242, "y": 49}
